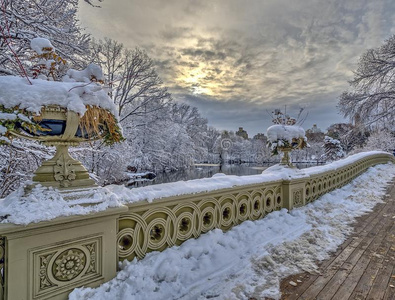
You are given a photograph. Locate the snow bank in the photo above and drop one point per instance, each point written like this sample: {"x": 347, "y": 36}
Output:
{"x": 16, "y": 91}
{"x": 249, "y": 260}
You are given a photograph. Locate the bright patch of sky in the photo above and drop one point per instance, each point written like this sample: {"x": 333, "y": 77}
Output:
{"x": 235, "y": 60}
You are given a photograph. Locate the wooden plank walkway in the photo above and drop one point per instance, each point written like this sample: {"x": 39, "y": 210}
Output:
{"x": 363, "y": 267}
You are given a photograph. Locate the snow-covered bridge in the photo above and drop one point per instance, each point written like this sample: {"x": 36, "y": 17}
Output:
{"x": 59, "y": 245}
{"x": 179, "y": 211}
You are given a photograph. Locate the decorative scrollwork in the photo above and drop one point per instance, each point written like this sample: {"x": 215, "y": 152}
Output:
{"x": 92, "y": 258}
{"x": 45, "y": 282}
{"x": 64, "y": 172}
{"x": 170, "y": 222}
{"x": 297, "y": 198}
{"x": 155, "y": 228}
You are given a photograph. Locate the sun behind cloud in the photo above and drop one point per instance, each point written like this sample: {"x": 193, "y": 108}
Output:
{"x": 198, "y": 80}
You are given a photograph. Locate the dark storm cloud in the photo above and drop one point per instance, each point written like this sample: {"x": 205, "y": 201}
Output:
{"x": 172, "y": 33}
{"x": 236, "y": 59}
{"x": 203, "y": 54}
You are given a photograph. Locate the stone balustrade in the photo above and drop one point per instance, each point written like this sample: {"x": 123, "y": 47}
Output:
{"x": 170, "y": 221}
{"x": 47, "y": 260}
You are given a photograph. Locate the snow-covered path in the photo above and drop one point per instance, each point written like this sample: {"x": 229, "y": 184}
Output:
{"x": 250, "y": 259}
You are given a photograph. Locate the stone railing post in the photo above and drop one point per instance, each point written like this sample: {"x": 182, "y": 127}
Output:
{"x": 294, "y": 193}
{"x": 47, "y": 260}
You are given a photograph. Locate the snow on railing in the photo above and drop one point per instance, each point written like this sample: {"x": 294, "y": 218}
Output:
{"x": 175, "y": 212}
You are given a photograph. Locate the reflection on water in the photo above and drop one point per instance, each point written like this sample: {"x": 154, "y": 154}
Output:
{"x": 206, "y": 171}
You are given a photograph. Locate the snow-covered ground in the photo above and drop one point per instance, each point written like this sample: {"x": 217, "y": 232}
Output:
{"x": 250, "y": 259}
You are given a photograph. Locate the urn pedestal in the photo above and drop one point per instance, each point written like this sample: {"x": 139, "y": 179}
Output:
{"x": 63, "y": 171}
{"x": 286, "y": 158}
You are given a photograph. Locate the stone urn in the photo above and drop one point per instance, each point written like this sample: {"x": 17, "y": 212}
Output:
{"x": 62, "y": 128}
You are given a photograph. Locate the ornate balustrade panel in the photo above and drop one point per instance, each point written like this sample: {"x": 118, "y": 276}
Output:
{"x": 320, "y": 184}
{"x": 170, "y": 221}
{"x": 47, "y": 260}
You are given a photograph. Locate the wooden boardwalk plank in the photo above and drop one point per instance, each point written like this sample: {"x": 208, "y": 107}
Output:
{"x": 362, "y": 268}
{"x": 336, "y": 273}
{"x": 376, "y": 253}
{"x": 380, "y": 283}
{"x": 364, "y": 225}
{"x": 377, "y": 259}
{"x": 376, "y": 263}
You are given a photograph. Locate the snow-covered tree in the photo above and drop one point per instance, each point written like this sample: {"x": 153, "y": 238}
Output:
{"x": 312, "y": 154}
{"x": 381, "y": 140}
{"x": 350, "y": 136}
{"x": 132, "y": 77}
{"x": 211, "y": 154}
{"x": 371, "y": 97}
{"x": 23, "y": 20}
{"x": 333, "y": 149}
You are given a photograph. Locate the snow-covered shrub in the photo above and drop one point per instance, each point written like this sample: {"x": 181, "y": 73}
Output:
{"x": 23, "y": 20}
{"x": 47, "y": 62}
{"x": 381, "y": 140}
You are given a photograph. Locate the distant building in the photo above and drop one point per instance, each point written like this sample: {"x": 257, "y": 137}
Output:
{"x": 260, "y": 136}
{"x": 315, "y": 134}
{"x": 315, "y": 129}
{"x": 241, "y": 132}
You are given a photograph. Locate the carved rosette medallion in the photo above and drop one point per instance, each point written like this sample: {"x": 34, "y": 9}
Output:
{"x": 69, "y": 264}
{"x": 58, "y": 267}
{"x": 297, "y": 198}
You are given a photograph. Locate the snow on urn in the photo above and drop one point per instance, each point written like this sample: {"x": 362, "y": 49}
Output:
{"x": 285, "y": 136}
{"x": 59, "y": 112}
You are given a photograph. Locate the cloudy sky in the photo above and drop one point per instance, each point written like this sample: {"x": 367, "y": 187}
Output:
{"x": 237, "y": 60}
